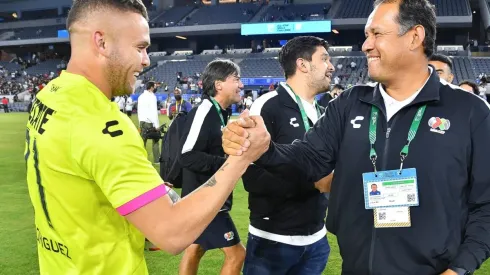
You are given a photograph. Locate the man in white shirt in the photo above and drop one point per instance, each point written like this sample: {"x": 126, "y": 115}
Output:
{"x": 148, "y": 118}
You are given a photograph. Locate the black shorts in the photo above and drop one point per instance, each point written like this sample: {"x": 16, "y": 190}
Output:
{"x": 221, "y": 232}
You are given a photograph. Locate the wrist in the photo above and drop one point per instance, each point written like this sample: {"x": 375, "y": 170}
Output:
{"x": 238, "y": 162}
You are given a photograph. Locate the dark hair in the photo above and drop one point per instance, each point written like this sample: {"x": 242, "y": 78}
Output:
{"x": 81, "y": 7}
{"x": 443, "y": 59}
{"x": 150, "y": 84}
{"x": 473, "y": 85}
{"x": 338, "y": 86}
{"x": 218, "y": 69}
{"x": 413, "y": 13}
{"x": 299, "y": 47}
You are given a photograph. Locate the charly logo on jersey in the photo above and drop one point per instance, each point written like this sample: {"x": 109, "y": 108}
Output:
{"x": 109, "y": 124}
{"x": 229, "y": 236}
{"x": 439, "y": 125}
{"x": 357, "y": 125}
{"x": 293, "y": 123}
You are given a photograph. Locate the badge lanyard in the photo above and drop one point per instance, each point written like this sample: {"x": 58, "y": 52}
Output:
{"x": 306, "y": 122}
{"x": 218, "y": 108}
{"x": 411, "y": 134}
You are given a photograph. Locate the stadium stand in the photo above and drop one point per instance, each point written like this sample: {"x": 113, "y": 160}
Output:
{"x": 172, "y": 17}
{"x": 10, "y": 66}
{"x": 296, "y": 12}
{"x": 44, "y": 67}
{"x": 355, "y": 9}
{"x": 463, "y": 69}
{"x": 362, "y": 8}
{"x": 452, "y": 7}
{"x": 223, "y": 14}
{"x": 37, "y": 32}
{"x": 167, "y": 72}
{"x": 261, "y": 67}
{"x": 480, "y": 65}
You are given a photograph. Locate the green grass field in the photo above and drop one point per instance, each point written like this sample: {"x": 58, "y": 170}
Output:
{"x": 18, "y": 252}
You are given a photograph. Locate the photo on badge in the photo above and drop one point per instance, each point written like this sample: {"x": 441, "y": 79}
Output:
{"x": 393, "y": 188}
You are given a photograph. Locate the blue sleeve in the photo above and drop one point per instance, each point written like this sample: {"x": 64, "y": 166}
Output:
{"x": 188, "y": 106}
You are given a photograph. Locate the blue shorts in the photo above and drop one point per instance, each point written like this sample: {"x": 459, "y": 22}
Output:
{"x": 221, "y": 232}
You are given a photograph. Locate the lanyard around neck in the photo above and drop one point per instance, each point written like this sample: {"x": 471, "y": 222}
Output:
{"x": 218, "y": 108}
{"x": 306, "y": 122}
{"x": 373, "y": 121}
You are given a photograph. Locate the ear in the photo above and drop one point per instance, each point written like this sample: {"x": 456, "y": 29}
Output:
{"x": 218, "y": 85}
{"x": 301, "y": 65}
{"x": 100, "y": 43}
{"x": 418, "y": 37}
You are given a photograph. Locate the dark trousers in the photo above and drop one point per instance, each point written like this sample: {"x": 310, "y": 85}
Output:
{"x": 267, "y": 257}
{"x": 6, "y": 107}
{"x": 155, "y": 146}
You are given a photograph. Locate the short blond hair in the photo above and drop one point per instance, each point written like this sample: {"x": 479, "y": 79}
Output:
{"x": 81, "y": 8}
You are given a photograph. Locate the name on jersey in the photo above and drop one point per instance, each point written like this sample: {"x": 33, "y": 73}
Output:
{"x": 39, "y": 115}
{"x": 53, "y": 246}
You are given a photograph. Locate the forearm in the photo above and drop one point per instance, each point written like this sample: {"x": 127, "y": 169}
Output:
{"x": 190, "y": 216}
{"x": 475, "y": 248}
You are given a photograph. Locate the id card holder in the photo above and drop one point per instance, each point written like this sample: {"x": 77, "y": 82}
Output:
{"x": 392, "y": 217}
{"x": 394, "y": 188}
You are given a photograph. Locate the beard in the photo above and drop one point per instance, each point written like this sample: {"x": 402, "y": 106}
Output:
{"x": 118, "y": 77}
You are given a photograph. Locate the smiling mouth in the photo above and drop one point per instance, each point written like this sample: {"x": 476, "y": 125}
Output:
{"x": 374, "y": 58}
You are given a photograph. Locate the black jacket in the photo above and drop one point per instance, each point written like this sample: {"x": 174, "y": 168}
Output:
{"x": 284, "y": 194}
{"x": 451, "y": 227}
{"x": 202, "y": 152}
{"x": 325, "y": 99}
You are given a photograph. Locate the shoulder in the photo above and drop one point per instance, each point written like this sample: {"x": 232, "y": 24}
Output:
{"x": 457, "y": 97}
{"x": 263, "y": 103}
{"x": 202, "y": 111}
{"x": 108, "y": 132}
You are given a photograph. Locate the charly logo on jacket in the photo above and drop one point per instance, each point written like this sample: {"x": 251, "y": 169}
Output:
{"x": 439, "y": 125}
{"x": 229, "y": 236}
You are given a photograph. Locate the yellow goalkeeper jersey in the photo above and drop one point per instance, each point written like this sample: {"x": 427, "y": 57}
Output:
{"x": 86, "y": 169}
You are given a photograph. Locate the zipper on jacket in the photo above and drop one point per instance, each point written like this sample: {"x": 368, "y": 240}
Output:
{"x": 384, "y": 162}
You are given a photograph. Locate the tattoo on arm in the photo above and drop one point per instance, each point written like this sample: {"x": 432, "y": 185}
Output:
{"x": 212, "y": 181}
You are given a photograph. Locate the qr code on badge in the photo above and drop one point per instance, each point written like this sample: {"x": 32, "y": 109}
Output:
{"x": 411, "y": 197}
{"x": 382, "y": 216}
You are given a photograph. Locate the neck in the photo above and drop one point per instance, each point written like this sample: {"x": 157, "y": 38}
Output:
{"x": 222, "y": 102}
{"x": 301, "y": 89}
{"x": 91, "y": 73}
{"x": 408, "y": 83}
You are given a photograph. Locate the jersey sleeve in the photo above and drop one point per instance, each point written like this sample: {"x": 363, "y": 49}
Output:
{"x": 110, "y": 152}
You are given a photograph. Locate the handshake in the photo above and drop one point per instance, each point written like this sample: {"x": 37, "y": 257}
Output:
{"x": 246, "y": 137}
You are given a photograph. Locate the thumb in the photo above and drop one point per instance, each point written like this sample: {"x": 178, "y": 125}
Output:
{"x": 244, "y": 114}
{"x": 258, "y": 120}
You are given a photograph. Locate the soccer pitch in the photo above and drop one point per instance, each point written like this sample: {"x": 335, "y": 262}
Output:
{"x": 18, "y": 247}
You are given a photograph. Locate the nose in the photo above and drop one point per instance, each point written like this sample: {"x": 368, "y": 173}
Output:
{"x": 146, "y": 59}
{"x": 240, "y": 84}
{"x": 330, "y": 67}
{"x": 368, "y": 45}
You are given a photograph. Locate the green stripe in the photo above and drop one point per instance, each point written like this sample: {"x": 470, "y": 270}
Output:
{"x": 386, "y": 183}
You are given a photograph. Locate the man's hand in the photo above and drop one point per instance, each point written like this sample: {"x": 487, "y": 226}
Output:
{"x": 324, "y": 184}
{"x": 449, "y": 272}
{"x": 247, "y": 136}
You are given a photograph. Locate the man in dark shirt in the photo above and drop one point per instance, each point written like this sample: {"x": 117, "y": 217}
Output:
{"x": 202, "y": 155}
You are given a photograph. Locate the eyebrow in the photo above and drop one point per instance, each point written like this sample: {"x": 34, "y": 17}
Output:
{"x": 144, "y": 44}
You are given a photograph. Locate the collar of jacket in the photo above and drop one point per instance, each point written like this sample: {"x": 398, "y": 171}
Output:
{"x": 430, "y": 92}
{"x": 288, "y": 101}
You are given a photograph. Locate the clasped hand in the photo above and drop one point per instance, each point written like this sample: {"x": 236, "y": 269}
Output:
{"x": 246, "y": 137}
